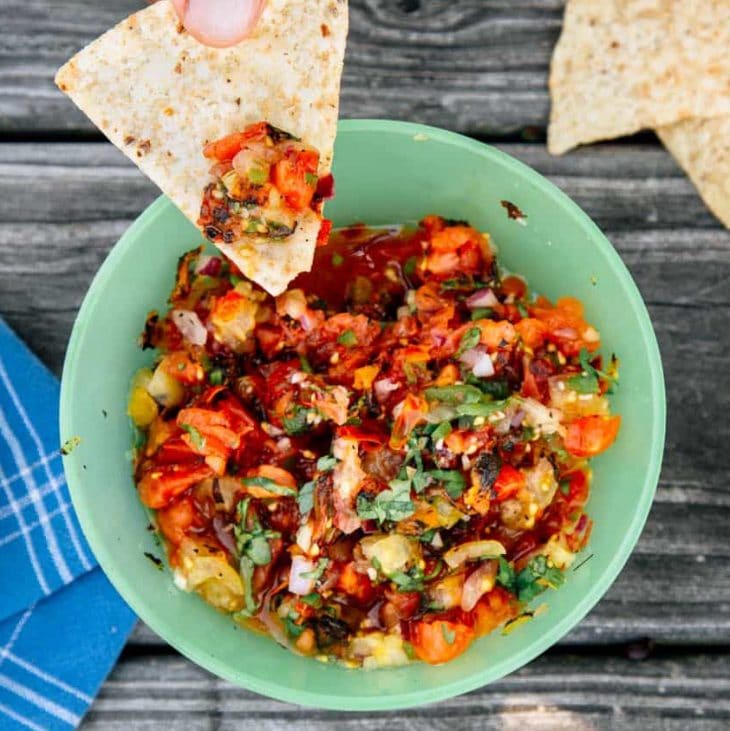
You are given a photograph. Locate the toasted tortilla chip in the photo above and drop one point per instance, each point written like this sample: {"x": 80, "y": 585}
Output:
{"x": 160, "y": 97}
{"x": 624, "y": 65}
{"x": 702, "y": 148}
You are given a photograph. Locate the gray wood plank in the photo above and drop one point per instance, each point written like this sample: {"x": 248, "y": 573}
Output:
{"x": 474, "y": 65}
{"x": 557, "y": 691}
{"x": 63, "y": 205}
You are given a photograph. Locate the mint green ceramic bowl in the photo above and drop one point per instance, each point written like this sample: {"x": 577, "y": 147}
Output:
{"x": 386, "y": 172}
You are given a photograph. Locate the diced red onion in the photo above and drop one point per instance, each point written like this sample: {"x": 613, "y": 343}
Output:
{"x": 223, "y": 535}
{"x": 383, "y": 387}
{"x": 517, "y": 419}
{"x": 209, "y": 266}
{"x": 299, "y": 584}
{"x": 482, "y": 298}
{"x": 479, "y": 583}
{"x": 568, "y": 333}
{"x": 479, "y": 361}
{"x": 190, "y": 326}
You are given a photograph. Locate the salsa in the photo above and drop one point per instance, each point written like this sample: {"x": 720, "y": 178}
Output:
{"x": 264, "y": 179}
{"x": 386, "y": 461}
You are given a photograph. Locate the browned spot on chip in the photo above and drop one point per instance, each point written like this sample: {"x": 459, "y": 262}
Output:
{"x": 325, "y": 30}
{"x": 238, "y": 101}
{"x": 143, "y": 147}
{"x": 128, "y": 140}
{"x": 178, "y": 68}
{"x": 168, "y": 111}
{"x": 180, "y": 28}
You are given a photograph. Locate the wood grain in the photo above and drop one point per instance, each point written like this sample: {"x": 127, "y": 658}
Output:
{"x": 671, "y": 692}
{"x": 62, "y": 206}
{"x": 473, "y": 65}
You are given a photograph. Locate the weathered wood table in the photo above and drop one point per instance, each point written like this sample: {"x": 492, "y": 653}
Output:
{"x": 655, "y": 653}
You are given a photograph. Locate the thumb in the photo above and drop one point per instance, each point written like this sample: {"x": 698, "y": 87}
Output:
{"x": 219, "y": 23}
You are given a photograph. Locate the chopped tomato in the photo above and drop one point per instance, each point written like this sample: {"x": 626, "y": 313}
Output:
{"x": 496, "y": 335}
{"x": 412, "y": 413}
{"x": 324, "y": 232}
{"x": 182, "y": 367}
{"x": 355, "y": 584}
{"x": 591, "y": 435}
{"x": 439, "y": 640}
{"x": 165, "y": 482}
{"x": 532, "y": 331}
{"x": 455, "y": 251}
{"x": 514, "y": 286}
{"x": 565, "y": 325}
{"x": 508, "y": 483}
{"x": 176, "y": 519}
{"x": 295, "y": 177}
{"x": 229, "y": 146}
{"x": 277, "y": 475}
{"x": 494, "y": 609}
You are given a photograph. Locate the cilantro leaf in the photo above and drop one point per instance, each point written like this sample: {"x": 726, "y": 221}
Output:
{"x": 268, "y": 484}
{"x": 347, "y": 338}
{"x": 441, "y": 431}
{"x": 326, "y": 463}
{"x": 317, "y": 571}
{"x": 296, "y": 423}
{"x": 482, "y": 313}
{"x": 456, "y": 394}
{"x": 452, "y": 480}
{"x": 448, "y": 634}
{"x": 393, "y": 504}
{"x": 305, "y": 499}
{"x": 536, "y": 577}
{"x": 195, "y": 436}
{"x": 469, "y": 340}
{"x": 506, "y": 575}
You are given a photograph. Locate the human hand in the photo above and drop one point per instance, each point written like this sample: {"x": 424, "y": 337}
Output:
{"x": 219, "y": 23}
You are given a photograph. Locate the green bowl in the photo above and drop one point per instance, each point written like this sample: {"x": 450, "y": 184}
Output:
{"x": 386, "y": 172}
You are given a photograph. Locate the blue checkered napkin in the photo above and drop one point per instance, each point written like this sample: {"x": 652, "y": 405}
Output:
{"x": 62, "y": 625}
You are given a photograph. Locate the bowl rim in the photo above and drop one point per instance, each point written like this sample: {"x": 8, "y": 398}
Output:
{"x": 270, "y": 687}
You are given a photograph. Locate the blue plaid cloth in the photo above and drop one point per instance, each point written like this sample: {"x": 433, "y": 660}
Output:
{"x": 62, "y": 625}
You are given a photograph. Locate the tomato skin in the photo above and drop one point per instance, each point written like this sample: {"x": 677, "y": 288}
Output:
{"x": 514, "y": 286}
{"x": 175, "y": 519}
{"x": 430, "y": 640}
{"x": 228, "y": 147}
{"x": 290, "y": 177}
{"x": 494, "y": 609}
{"x": 324, "y": 232}
{"x": 182, "y": 368}
{"x": 588, "y": 436}
{"x": 164, "y": 483}
{"x": 532, "y": 331}
{"x": 508, "y": 483}
{"x": 355, "y": 585}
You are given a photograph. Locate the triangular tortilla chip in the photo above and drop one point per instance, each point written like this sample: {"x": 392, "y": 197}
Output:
{"x": 160, "y": 96}
{"x": 625, "y": 65}
{"x": 702, "y": 148}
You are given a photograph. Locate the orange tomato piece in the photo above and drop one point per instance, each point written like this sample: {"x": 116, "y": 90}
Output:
{"x": 229, "y": 146}
{"x": 440, "y": 640}
{"x": 162, "y": 484}
{"x": 270, "y": 472}
{"x": 176, "y": 519}
{"x": 591, "y": 435}
{"x": 515, "y": 286}
{"x": 496, "y": 335}
{"x": 412, "y": 413}
{"x": 182, "y": 367}
{"x": 295, "y": 177}
{"x": 532, "y": 331}
{"x": 508, "y": 483}
{"x": 324, "y": 232}
{"x": 493, "y": 609}
{"x": 355, "y": 584}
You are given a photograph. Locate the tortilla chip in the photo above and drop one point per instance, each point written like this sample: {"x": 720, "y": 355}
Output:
{"x": 702, "y": 148}
{"x": 160, "y": 96}
{"x": 624, "y": 65}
